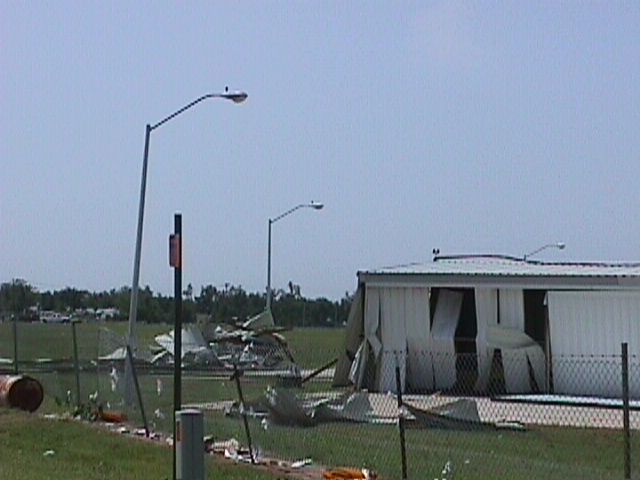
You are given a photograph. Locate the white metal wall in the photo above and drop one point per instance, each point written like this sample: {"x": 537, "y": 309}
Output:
{"x": 594, "y": 324}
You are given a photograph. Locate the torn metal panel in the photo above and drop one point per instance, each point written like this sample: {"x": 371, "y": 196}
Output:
{"x": 445, "y": 322}
{"x": 487, "y": 317}
{"x": 262, "y": 320}
{"x": 418, "y": 326}
{"x": 519, "y": 352}
{"x": 393, "y": 335}
{"x": 458, "y": 415}
{"x": 353, "y": 342}
{"x": 286, "y": 408}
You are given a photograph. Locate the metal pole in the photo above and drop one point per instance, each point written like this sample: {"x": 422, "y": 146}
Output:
{"x": 625, "y": 411}
{"x": 76, "y": 363}
{"x": 177, "y": 329}
{"x": 133, "y": 306}
{"x": 15, "y": 344}
{"x": 403, "y": 448}
{"x": 269, "y": 268}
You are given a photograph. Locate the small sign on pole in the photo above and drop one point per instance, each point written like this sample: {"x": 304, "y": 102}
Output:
{"x": 175, "y": 251}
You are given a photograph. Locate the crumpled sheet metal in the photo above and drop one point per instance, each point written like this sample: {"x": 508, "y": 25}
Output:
{"x": 285, "y": 408}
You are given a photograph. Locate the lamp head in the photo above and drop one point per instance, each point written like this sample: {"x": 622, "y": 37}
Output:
{"x": 235, "y": 97}
{"x": 316, "y": 205}
{"x": 561, "y": 245}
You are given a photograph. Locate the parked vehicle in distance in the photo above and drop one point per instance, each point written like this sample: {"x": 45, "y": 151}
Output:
{"x": 49, "y": 316}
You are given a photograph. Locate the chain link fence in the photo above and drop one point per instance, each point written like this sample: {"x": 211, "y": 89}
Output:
{"x": 468, "y": 425}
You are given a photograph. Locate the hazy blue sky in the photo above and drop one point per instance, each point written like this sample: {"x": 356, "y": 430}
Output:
{"x": 468, "y": 126}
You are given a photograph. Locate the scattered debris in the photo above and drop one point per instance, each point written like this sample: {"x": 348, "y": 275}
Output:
{"x": 195, "y": 350}
{"x": 111, "y": 416}
{"x": 255, "y": 343}
{"x": 219, "y": 447}
{"x": 301, "y": 463}
{"x": 113, "y": 375}
{"x": 349, "y": 474}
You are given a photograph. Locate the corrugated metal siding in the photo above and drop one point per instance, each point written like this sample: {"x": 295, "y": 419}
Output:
{"x": 592, "y": 323}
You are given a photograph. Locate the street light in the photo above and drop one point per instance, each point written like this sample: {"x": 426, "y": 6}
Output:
{"x": 235, "y": 97}
{"x": 558, "y": 245}
{"x": 315, "y": 206}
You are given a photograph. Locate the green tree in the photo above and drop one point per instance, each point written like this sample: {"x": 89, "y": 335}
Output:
{"x": 17, "y": 296}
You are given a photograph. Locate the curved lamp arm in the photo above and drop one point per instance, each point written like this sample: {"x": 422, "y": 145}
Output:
{"x": 558, "y": 245}
{"x": 235, "y": 97}
{"x": 314, "y": 205}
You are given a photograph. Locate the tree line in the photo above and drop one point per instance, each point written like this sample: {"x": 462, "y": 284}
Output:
{"x": 225, "y": 304}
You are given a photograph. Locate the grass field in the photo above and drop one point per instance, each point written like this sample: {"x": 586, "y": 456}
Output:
{"x": 562, "y": 453}
{"x": 84, "y": 452}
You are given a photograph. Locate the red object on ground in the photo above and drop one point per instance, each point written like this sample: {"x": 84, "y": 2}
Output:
{"x": 112, "y": 417}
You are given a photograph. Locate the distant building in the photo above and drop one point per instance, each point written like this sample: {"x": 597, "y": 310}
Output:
{"x": 107, "y": 314}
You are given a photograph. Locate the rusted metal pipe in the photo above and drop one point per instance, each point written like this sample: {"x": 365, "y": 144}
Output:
{"x": 20, "y": 391}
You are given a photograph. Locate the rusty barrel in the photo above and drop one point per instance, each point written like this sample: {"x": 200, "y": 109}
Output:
{"x": 20, "y": 391}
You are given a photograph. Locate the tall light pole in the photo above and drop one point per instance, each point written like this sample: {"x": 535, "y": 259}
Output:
{"x": 315, "y": 206}
{"x": 558, "y": 245}
{"x": 236, "y": 97}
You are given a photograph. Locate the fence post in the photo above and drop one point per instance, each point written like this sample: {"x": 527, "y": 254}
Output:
{"x": 625, "y": 411}
{"x": 76, "y": 363}
{"x": 243, "y": 410}
{"x": 403, "y": 448}
{"x": 134, "y": 374}
{"x": 15, "y": 344}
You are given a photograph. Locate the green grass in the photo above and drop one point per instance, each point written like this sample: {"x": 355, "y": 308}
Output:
{"x": 314, "y": 347}
{"x": 562, "y": 453}
{"x": 89, "y": 453}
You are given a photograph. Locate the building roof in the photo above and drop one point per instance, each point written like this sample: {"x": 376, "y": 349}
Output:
{"x": 502, "y": 270}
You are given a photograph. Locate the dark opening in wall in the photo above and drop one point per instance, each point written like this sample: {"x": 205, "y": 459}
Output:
{"x": 467, "y": 324}
{"x": 465, "y": 344}
{"x": 535, "y": 315}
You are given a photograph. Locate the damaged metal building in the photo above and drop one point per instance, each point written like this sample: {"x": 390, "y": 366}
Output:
{"x": 538, "y": 318}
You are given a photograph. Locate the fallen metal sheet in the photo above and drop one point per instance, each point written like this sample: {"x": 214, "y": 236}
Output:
{"x": 119, "y": 353}
{"x": 285, "y": 408}
{"x": 460, "y": 414}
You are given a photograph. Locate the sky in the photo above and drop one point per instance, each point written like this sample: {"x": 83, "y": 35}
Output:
{"x": 472, "y": 127}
